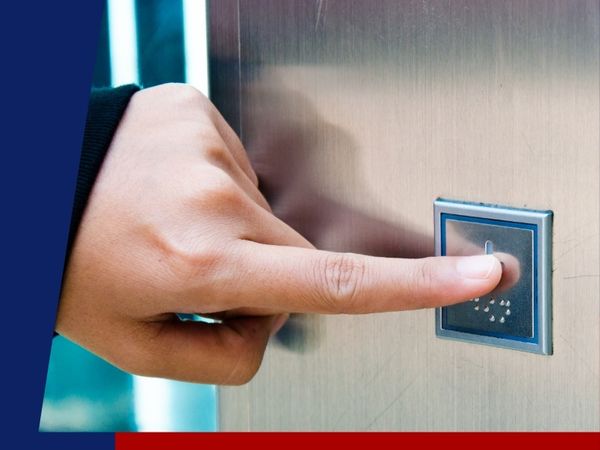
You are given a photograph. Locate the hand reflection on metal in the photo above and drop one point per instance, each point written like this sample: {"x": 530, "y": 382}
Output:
{"x": 284, "y": 149}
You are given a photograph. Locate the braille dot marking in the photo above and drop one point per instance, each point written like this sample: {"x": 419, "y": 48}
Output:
{"x": 492, "y": 318}
{"x": 502, "y": 320}
{"x": 492, "y": 301}
{"x": 507, "y": 313}
{"x": 476, "y": 299}
{"x": 486, "y": 309}
{"x": 507, "y": 303}
{"x": 501, "y": 302}
{"x": 476, "y": 308}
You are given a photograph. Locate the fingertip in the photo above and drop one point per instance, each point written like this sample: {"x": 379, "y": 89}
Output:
{"x": 479, "y": 267}
{"x": 480, "y": 274}
{"x": 495, "y": 271}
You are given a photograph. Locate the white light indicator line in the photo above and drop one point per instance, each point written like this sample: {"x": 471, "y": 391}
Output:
{"x": 122, "y": 34}
{"x": 152, "y": 404}
{"x": 195, "y": 42}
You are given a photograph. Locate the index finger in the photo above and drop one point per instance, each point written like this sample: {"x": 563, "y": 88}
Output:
{"x": 292, "y": 279}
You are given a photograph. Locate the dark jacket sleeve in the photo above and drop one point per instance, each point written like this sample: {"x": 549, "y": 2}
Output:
{"x": 106, "y": 107}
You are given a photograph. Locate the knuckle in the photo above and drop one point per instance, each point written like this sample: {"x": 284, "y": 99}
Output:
{"x": 423, "y": 279}
{"x": 182, "y": 92}
{"x": 181, "y": 261}
{"x": 217, "y": 154}
{"x": 216, "y": 196}
{"x": 219, "y": 192}
{"x": 173, "y": 94}
{"x": 192, "y": 266}
{"x": 341, "y": 277}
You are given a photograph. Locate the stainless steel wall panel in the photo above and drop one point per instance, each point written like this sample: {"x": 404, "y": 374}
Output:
{"x": 357, "y": 115}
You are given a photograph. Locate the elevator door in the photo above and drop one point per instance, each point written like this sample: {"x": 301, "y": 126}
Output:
{"x": 357, "y": 116}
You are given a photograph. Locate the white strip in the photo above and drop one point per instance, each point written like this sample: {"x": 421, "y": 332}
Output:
{"x": 152, "y": 404}
{"x": 122, "y": 38}
{"x": 195, "y": 43}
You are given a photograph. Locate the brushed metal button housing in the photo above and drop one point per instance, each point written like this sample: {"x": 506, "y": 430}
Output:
{"x": 517, "y": 314}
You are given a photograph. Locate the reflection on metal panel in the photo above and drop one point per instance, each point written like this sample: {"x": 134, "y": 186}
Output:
{"x": 357, "y": 116}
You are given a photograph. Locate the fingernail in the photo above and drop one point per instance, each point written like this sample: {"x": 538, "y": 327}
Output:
{"x": 476, "y": 266}
{"x": 279, "y": 323}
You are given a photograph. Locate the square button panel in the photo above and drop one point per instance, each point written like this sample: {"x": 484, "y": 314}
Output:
{"x": 517, "y": 314}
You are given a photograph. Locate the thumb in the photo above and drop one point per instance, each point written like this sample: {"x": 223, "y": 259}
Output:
{"x": 227, "y": 353}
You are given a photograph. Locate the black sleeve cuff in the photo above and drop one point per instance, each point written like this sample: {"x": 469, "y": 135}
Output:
{"x": 105, "y": 110}
{"x": 106, "y": 107}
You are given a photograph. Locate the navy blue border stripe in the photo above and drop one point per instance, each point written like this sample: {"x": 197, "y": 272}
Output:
{"x": 503, "y": 223}
{"x": 48, "y": 53}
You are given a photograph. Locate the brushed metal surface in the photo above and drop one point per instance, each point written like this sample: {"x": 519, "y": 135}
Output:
{"x": 357, "y": 116}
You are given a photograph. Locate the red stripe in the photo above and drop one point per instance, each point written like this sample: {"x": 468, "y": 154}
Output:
{"x": 368, "y": 441}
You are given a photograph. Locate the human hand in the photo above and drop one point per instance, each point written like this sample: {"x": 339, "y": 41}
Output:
{"x": 176, "y": 224}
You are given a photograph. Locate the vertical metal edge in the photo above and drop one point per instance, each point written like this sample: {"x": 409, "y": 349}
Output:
{"x": 224, "y": 89}
{"x": 224, "y": 83}
{"x": 437, "y": 252}
{"x": 545, "y": 285}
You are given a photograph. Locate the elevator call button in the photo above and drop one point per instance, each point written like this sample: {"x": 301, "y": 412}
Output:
{"x": 517, "y": 314}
